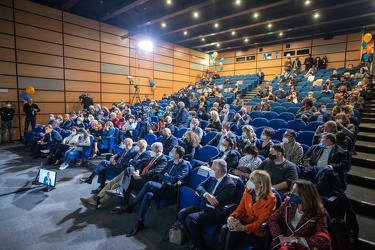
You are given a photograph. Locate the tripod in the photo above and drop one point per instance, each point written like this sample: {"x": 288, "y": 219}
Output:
{"x": 136, "y": 95}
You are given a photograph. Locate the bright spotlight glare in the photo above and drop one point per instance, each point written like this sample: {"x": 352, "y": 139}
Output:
{"x": 146, "y": 46}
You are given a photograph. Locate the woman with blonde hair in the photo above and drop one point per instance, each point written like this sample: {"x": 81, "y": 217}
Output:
{"x": 344, "y": 125}
{"x": 214, "y": 123}
{"x": 191, "y": 143}
{"x": 256, "y": 206}
{"x": 248, "y": 137}
{"x": 108, "y": 131}
{"x": 301, "y": 219}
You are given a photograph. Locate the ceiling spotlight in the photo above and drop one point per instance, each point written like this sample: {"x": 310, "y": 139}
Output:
{"x": 146, "y": 46}
{"x": 316, "y": 15}
{"x": 203, "y": 39}
{"x": 256, "y": 15}
{"x": 307, "y": 2}
{"x": 238, "y": 2}
{"x": 246, "y": 40}
{"x": 185, "y": 33}
{"x": 218, "y": 45}
{"x": 233, "y": 33}
{"x": 216, "y": 25}
{"x": 163, "y": 25}
{"x": 281, "y": 33}
{"x": 269, "y": 25}
{"x": 196, "y": 14}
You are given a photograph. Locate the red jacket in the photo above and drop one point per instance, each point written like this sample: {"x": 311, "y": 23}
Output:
{"x": 280, "y": 224}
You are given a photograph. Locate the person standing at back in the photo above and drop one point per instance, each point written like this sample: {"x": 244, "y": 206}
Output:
{"x": 30, "y": 108}
{"x": 7, "y": 114}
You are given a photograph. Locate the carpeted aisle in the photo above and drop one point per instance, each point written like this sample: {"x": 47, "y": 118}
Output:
{"x": 33, "y": 219}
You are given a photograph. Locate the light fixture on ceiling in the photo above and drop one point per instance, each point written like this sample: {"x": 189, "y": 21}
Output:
{"x": 246, "y": 40}
{"x": 269, "y": 25}
{"x": 146, "y": 46}
{"x": 169, "y": 2}
{"x": 203, "y": 39}
{"x": 218, "y": 45}
{"x": 238, "y": 2}
{"x": 255, "y": 15}
{"x": 307, "y": 2}
{"x": 196, "y": 14}
{"x": 281, "y": 33}
{"x": 233, "y": 33}
{"x": 216, "y": 25}
{"x": 163, "y": 25}
{"x": 185, "y": 33}
{"x": 316, "y": 15}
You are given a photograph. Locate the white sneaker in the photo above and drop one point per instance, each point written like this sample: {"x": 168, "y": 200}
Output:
{"x": 63, "y": 166}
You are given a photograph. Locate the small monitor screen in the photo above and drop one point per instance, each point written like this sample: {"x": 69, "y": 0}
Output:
{"x": 47, "y": 177}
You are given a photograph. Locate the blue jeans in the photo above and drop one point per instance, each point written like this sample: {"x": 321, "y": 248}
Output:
{"x": 4, "y": 126}
{"x": 104, "y": 169}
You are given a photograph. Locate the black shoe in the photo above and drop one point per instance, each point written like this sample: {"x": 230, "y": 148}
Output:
{"x": 86, "y": 180}
{"x": 118, "y": 209}
{"x": 129, "y": 209}
{"x": 36, "y": 156}
{"x": 138, "y": 227}
{"x": 96, "y": 191}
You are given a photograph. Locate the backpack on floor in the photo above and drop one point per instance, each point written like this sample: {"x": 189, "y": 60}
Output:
{"x": 340, "y": 235}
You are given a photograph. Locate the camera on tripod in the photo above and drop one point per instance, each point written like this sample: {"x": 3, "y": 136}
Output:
{"x": 136, "y": 86}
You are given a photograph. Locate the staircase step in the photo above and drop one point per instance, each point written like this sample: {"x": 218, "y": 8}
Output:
{"x": 363, "y": 199}
{"x": 367, "y": 127}
{"x": 365, "y": 160}
{"x": 366, "y": 235}
{"x": 367, "y": 120}
{"x": 365, "y": 146}
{"x": 368, "y": 115}
{"x": 365, "y": 136}
{"x": 361, "y": 176}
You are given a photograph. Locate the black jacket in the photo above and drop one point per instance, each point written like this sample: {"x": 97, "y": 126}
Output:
{"x": 152, "y": 173}
{"x": 231, "y": 159}
{"x": 7, "y": 114}
{"x": 28, "y": 109}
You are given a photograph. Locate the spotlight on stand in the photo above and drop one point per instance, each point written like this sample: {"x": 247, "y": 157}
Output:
{"x": 146, "y": 46}
{"x": 136, "y": 86}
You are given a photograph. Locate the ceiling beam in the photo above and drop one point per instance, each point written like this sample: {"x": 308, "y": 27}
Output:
{"x": 69, "y": 4}
{"x": 177, "y": 13}
{"x": 123, "y": 9}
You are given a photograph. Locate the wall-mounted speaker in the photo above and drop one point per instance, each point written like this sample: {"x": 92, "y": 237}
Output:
{"x": 260, "y": 49}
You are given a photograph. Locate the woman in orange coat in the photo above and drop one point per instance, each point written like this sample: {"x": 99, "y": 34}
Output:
{"x": 256, "y": 206}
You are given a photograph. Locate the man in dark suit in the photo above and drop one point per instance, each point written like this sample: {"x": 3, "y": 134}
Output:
{"x": 128, "y": 180}
{"x": 117, "y": 163}
{"x": 215, "y": 192}
{"x": 171, "y": 177}
{"x": 227, "y": 154}
{"x": 49, "y": 138}
{"x": 331, "y": 127}
{"x": 168, "y": 124}
{"x": 182, "y": 115}
{"x": 327, "y": 153}
{"x": 168, "y": 141}
{"x": 321, "y": 115}
{"x": 226, "y": 115}
{"x": 220, "y": 137}
{"x": 242, "y": 118}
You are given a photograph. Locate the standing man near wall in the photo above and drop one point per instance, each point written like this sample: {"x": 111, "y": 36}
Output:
{"x": 30, "y": 108}
{"x": 7, "y": 114}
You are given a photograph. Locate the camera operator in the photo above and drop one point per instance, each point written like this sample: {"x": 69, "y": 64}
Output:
{"x": 86, "y": 101}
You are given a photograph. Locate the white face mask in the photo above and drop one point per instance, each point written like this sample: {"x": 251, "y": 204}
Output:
{"x": 244, "y": 134}
{"x": 222, "y": 148}
{"x": 323, "y": 110}
{"x": 80, "y": 134}
{"x": 262, "y": 102}
{"x": 211, "y": 173}
{"x": 248, "y": 157}
{"x": 79, "y": 122}
{"x": 122, "y": 146}
{"x": 136, "y": 148}
{"x": 9, "y": 105}
{"x": 74, "y": 132}
{"x": 339, "y": 121}
{"x": 152, "y": 154}
{"x": 285, "y": 140}
{"x": 192, "y": 126}
{"x": 250, "y": 184}
{"x": 263, "y": 137}
{"x": 130, "y": 120}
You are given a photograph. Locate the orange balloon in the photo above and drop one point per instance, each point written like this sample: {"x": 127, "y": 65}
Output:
{"x": 367, "y": 37}
{"x": 30, "y": 90}
{"x": 215, "y": 54}
{"x": 369, "y": 50}
{"x": 150, "y": 79}
{"x": 153, "y": 88}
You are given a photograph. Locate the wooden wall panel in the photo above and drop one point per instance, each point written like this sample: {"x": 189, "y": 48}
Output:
{"x": 82, "y": 75}
{"x": 113, "y": 78}
{"x": 85, "y": 22}
{"x": 6, "y": 12}
{"x": 115, "y": 88}
{"x": 110, "y": 97}
{"x": 81, "y": 53}
{"x": 7, "y": 55}
{"x": 355, "y": 37}
{"x": 355, "y": 45}
{"x": 38, "y": 46}
{"x": 113, "y": 39}
{"x": 112, "y": 29}
{"x": 40, "y": 59}
{"x": 163, "y": 59}
{"x": 38, "y": 34}
{"x": 183, "y": 78}
{"x": 353, "y": 55}
{"x": 181, "y": 63}
{"x": 81, "y": 42}
{"x": 8, "y": 81}
{"x": 81, "y": 31}
{"x": 11, "y": 95}
{"x": 51, "y": 108}
{"x": 115, "y": 49}
{"x": 82, "y": 86}
{"x": 180, "y": 71}
{"x": 114, "y": 59}
{"x": 335, "y": 39}
{"x": 38, "y": 9}
{"x": 163, "y": 51}
{"x": 6, "y": 27}
{"x": 245, "y": 65}
{"x": 47, "y": 97}
{"x": 40, "y": 71}
{"x": 7, "y": 68}
{"x": 73, "y": 97}
{"x": 142, "y": 64}
{"x": 181, "y": 49}
{"x": 82, "y": 64}
{"x": 6, "y": 41}
{"x": 38, "y": 21}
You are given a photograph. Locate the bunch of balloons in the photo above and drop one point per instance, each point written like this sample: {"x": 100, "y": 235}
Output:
{"x": 152, "y": 83}
{"x": 213, "y": 61}
{"x": 29, "y": 91}
{"x": 366, "y": 39}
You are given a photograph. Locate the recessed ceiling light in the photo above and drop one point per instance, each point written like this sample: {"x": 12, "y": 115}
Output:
{"x": 218, "y": 45}
{"x": 238, "y": 2}
{"x": 307, "y": 2}
{"x": 256, "y": 15}
{"x": 185, "y": 33}
{"x": 281, "y": 33}
{"x": 246, "y": 39}
{"x": 196, "y": 14}
{"x": 212, "y": 43}
{"x": 169, "y": 1}
{"x": 269, "y": 25}
{"x": 316, "y": 15}
{"x": 233, "y": 33}
{"x": 163, "y": 24}
{"x": 203, "y": 39}
{"x": 216, "y": 25}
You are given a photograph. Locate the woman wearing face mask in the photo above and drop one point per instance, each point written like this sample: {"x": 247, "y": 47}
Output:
{"x": 248, "y": 163}
{"x": 129, "y": 127}
{"x": 248, "y": 137}
{"x": 83, "y": 141}
{"x": 342, "y": 107}
{"x": 191, "y": 143}
{"x": 194, "y": 127}
{"x": 265, "y": 142}
{"x": 202, "y": 114}
{"x": 256, "y": 206}
{"x": 301, "y": 219}
{"x": 344, "y": 125}
{"x": 96, "y": 130}
{"x": 108, "y": 132}
{"x": 56, "y": 150}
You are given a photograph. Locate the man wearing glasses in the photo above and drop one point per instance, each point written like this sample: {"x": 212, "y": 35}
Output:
{"x": 293, "y": 150}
